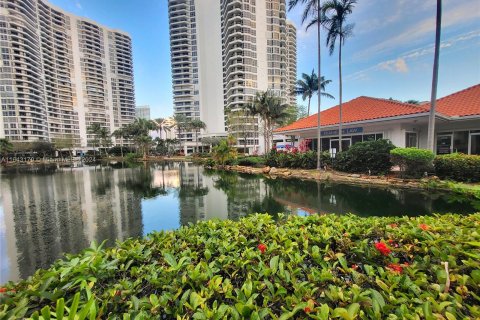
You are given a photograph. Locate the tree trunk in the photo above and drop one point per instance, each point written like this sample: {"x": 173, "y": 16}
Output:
{"x": 319, "y": 139}
{"x": 340, "y": 93}
{"x": 308, "y": 110}
{"x": 433, "y": 99}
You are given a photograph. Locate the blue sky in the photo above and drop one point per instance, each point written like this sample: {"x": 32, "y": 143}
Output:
{"x": 390, "y": 54}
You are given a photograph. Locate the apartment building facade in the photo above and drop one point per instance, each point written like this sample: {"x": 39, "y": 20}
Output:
{"x": 223, "y": 53}
{"x": 60, "y": 74}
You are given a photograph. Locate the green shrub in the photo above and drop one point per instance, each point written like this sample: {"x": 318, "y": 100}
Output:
{"x": 251, "y": 161}
{"x": 413, "y": 162}
{"x": 117, "y": 150}
{"x": 366, "y": 157}
{"x": 301, "y": 160}
{"x": 132, "y": 156}
{"x": 321, "y": 266}
{"x": 209, "y": 163}
{"x": 458, "y": 167}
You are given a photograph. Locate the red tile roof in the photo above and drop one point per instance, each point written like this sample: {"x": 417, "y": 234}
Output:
{"x": 462, "y": 103}
{"x": 359, "y": 109}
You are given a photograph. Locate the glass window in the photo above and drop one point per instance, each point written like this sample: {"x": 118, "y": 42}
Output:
{"x": 379, "y": 136}
{"x": 475, "y": 144}
{"x": 368, "y": 137}
{"x": 460, "y": 142}
{"x": 411, "y": 140}
{"x": 444, "y": 144}
{"x": 356, "y": 139}
{"x": 325, "y": 144}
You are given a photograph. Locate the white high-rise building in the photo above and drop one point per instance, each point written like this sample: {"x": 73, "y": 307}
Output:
{"x": 223, "y": 52}
{"x": 60, "y": 74}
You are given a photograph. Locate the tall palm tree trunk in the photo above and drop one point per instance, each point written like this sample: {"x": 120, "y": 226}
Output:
{"x": 340, "y": 124}
{"x": 308, "y": 110}
{"x": 319, "y": 139}
{"x": 433, "y": 99}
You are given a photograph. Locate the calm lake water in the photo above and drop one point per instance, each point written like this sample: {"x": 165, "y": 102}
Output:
{"x": 48, "y": 211}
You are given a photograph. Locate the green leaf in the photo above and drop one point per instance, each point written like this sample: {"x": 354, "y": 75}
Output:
{"x": 274, "y": 264}
{"x": 170, "y": 259}
{"x": 73, "y": 309}
{"x": 46, "y": 313}
{"x": 324, "y": 312}
{"x": 353, "y": 310}
{"x": 427, "y": 311}
{"x": 195, "y": 300}
{"x": 60, "y": 308}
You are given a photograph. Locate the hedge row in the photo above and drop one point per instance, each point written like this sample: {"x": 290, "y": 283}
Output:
{"x": 458, "y": 167}
{"x": 319, "y": 267}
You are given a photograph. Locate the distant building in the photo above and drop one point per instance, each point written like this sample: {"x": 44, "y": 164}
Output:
{"x": 60, "y": 74}
{"x": 142, "y": 112}
{"x": 457, "y": 124}
{"x": 224, "y": 52}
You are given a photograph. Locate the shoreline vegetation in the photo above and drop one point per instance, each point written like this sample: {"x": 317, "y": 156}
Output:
{"x": 282, "y": 267}
{"x": 430, "y": 183}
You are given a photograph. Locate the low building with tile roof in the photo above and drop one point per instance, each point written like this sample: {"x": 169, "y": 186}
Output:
{"x": 366, "y": 118}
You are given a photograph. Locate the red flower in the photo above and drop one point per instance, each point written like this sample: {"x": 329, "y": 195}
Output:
{"x": 395, "y": 267}
{"x": 393, "y": 225}
{"x": 118, "y": 293}
{"x": 354, "y": 267}
{"x": 390, "y": 241}
{"x": 424, "y": 226}
{"x": 382, "y": 247}
{"x": 3, "y": 290}
{"x": 307, "y": 309}
{"x": 262, "y": 247}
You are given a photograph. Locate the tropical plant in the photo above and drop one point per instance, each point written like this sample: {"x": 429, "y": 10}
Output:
{"x": 120, "y": 133}
{"x": 413, "y": 162}
{"x": 105, "y": 139}
{"x": 308, "y": 86}
{"x": 43, "y": 147}
{"x": 458, "y": 167}
{"x": 139, "y": 131}
{"x": 334, "y": 17}
{"x": 320, "y": 267}
{"x": 370, "y": 157}
{"x": 94, "y": 129}
{"x": 224, "y": 152}
{"x": 182, "y": 123}
{"x": 313, "y": 9}
{"x": 65, "y": 142}
{"x": 433, "y": 99}
{"x": 271, "y": 111}
{"x": 5, "y": 147}
{"x": 196, "y": 125}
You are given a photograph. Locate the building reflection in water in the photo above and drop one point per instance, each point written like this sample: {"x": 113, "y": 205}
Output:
{"x": 46, "y": 215}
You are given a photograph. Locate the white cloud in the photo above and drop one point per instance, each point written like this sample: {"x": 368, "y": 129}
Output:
{"x": 401, "y": 63}
{"x": 462, "y": 13}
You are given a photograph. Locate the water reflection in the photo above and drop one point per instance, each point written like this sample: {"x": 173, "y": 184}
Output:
{"x": 47, "y": 211}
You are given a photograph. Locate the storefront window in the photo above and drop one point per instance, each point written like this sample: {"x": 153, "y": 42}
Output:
{"x": 460, "y": 142}
{"x": 410, "y": 139}
{"x": 379, "y": 136}
{"x": 368, "y": 137}
{"x": 444, "y": 143}
{"x": 475, "y": 143}
{"x": 356, "y": 139}
{"x": 325, "y": 144}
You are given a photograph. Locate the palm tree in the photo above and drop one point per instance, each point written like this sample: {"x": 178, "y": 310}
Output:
{"x": 433, "y": 100}
{"x": 94, "y": 129}
{"x": 5, "y": 147}
{"x": 181, "y": 121}
{"x": 105, "y": 139}
{"x": 313, "y": 8}
{"x": 120, "y": 133}
{"x": 271, "y": 111}
{"x": 197, "y": 125}
{"x": 308, "y": 86}
{"x": 334, "y": 16}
